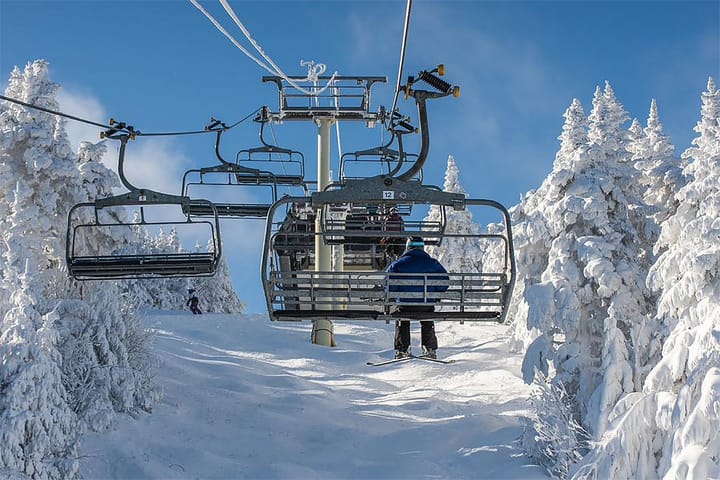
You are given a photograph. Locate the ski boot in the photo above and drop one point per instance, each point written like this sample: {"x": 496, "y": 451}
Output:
{"x": 402, "y": 353}
{"x": 429, "y": 353}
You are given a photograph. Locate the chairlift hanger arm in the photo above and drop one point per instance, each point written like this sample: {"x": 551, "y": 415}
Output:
{"x": 136, "y": 196}
{"x": 263, "y": 118}
{"x": 421, "y": 96}
{"x": 224, "y": 166}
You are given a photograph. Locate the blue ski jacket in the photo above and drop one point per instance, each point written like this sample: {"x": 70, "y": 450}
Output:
{"x": 417, "y": 261}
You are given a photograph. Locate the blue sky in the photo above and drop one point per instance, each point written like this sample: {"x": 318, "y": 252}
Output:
{"x": 162, "y": 66}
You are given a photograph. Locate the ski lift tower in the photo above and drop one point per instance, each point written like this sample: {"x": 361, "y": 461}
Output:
{"x": 324, "y": 100}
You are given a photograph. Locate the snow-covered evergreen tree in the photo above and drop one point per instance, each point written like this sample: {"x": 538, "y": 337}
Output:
{"x": 661, "y": 173}
{"x": 34, "y": 155}
{"x": 216, "y": 293}
{"x": 462, "y": 254}
{"x": 39, "y": 433}
{"x": 687, "y": 274}
{"x": 533, "y": 234}
{"x": 80, "y": 361}
{"x": 671, "y": 428}
{"x": 592, "y": 291}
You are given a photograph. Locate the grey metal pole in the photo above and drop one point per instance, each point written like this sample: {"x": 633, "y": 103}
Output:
{"x": 322, "y": 331}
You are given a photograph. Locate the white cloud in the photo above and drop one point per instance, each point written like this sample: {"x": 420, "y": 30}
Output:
{"x": 154, "y": 163}
{"x": 82, "y": 105}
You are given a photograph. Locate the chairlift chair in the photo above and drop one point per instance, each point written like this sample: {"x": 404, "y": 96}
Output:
{"x": 230, "y": 179}
{"x": 282, "y": 166}
{"x": 381, "y": 160}
{"x": 296, "y": 293}
{"x": 105, "y": 216}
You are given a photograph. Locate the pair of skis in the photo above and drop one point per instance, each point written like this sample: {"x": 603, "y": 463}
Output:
{"x": 410, "y": 357}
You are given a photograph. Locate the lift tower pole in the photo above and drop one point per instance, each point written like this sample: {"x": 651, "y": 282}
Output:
{"x": 322, "y": 330}
{"x": 342, "y": 98}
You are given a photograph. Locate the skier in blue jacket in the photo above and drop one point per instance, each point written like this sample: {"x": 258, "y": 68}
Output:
{"x": 416, "y": 260}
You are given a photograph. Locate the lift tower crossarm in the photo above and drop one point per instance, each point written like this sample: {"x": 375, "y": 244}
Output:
{"x": 346, "y": 98}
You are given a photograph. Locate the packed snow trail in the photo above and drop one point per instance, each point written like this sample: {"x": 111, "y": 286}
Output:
{"x": 248, "y": 398}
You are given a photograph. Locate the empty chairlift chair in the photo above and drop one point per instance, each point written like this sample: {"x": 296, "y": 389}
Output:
{"x": 227, "y": 183}
{"x": 280, "y": 166}
{"x": 103, "y": 244}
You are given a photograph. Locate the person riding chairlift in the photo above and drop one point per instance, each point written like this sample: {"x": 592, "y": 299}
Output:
{"x": 415, "y": 260}
{"x": 394, "y": 246}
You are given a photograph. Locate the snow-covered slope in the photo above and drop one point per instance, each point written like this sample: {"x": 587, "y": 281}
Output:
{"x": 247, "y": 398}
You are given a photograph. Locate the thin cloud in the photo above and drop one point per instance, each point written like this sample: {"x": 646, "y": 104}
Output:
{"x": 154, "y": 163}
{"x": 82, "y": 105}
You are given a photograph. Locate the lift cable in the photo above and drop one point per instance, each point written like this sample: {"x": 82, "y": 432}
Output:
{"x": 47, "y": 110}
{"x": 229, "y": 37}
{"x": 402, "y": 57}
{"x": 157, "y": 134}
{"x": 117, "y": 127}
{"x": 313, "y": 70}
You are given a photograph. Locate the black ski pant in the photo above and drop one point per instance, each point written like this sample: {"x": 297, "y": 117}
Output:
{"x": 427, "y": 329}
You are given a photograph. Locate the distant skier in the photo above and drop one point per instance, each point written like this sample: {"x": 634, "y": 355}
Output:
{"x": 193, "y": 302}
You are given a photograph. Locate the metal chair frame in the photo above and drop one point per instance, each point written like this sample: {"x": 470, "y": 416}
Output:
{"x": 83, "y": 266}
{"x": 229, "y": 174}
{"x": 294, "y": 293}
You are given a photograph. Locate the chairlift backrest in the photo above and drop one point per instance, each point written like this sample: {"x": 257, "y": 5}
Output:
{"x": 281, "y": 166}
{"x": 227, "y": 181}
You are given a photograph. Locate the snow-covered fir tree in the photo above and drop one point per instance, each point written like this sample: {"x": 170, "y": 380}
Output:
{"x": 533, "y": 234}
{"x": 661, "y": 172}
{"x": 671, "y": 428}
{"x": 216, "y": 293}
{"x": 461, "y": 254}
{"x": 81, "y": 360}
{"x": 36, "y": 154}
{"x": 591, "y": 294}
{"x": 39, "y": 432}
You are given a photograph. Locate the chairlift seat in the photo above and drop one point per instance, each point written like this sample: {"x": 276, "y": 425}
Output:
{"x": 140, "y": 266}
{"x": 225, "y": 210}
{"x": 270, "y": 178}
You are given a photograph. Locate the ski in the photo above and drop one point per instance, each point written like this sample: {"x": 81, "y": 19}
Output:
{"x": 436, "y": 360}
{"x": 410, "y": 357}
{"x": 388, "y": 362}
